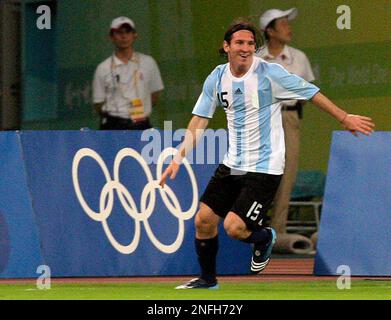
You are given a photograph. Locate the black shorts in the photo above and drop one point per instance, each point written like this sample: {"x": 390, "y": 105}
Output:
{"x": 249, "y": 194}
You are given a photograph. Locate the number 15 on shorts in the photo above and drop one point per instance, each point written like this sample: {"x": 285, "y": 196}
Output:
{"x": 254, "y": 212}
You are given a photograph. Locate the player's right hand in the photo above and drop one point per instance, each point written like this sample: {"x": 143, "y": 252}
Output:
{"x": 355, "y": 123}
{"x": 171, "y": 171}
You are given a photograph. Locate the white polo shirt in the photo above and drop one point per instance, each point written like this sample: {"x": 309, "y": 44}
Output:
{"x": 117, "y": 84}
{"x": 293, "y": 60}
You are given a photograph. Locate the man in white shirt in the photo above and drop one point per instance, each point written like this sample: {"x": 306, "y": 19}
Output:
{"x": 250, "y": 91}
{"x": 275, "y": 25}
{"x": 127, "y": 84}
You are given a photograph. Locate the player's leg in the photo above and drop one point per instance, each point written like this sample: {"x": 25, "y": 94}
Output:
{"x": 237, "y": 229}
{"x": 216, "y": 201}
{"x": 206, "y": 245}
{"x": 206, "y": 242}
{"x": 262, "y": 239}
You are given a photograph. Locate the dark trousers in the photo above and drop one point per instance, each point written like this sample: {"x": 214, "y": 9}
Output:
{"x": 108, "y": 122}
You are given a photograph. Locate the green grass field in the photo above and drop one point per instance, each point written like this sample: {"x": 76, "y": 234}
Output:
{"x": 292, "y": 290}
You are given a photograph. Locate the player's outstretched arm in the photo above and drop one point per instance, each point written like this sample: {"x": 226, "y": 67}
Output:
{"x": 194, "y": 131}
{"x": 353, "y": 123}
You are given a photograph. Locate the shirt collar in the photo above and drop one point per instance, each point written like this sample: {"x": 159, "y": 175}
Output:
{"x": 284, "y": 56}
{"x": 118, "y": 62}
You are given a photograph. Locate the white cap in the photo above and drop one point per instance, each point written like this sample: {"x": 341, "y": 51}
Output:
{"x": 273, "y": 14}
{"x": 120, "y": 21}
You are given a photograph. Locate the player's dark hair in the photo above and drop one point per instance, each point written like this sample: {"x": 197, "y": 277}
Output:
{"x": 272, "y": 25}
{"x": 236, "y": 26}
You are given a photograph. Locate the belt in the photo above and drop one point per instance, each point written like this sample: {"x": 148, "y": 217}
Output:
{"x": 298, "y": 107}
{"x": 112, "y": 123}
{"x": 295, "y": 107}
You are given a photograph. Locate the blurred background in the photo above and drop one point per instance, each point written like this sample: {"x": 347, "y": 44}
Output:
{"x": 46, "y": 75}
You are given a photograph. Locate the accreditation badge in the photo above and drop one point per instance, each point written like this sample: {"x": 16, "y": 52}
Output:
{"x": 136, "y": 110}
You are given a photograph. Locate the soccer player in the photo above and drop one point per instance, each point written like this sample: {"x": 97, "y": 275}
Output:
{"x": 250, "y": 91}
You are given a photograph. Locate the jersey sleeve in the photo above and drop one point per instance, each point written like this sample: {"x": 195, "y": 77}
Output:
{"x": 287, "y": 86}
{"x": 207, "y": 101}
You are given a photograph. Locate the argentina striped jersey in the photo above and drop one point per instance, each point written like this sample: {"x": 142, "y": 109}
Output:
{"x": 252, "y": 104}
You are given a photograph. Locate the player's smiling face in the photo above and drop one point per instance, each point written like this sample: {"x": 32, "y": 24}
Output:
{"x": 240, "y": 51}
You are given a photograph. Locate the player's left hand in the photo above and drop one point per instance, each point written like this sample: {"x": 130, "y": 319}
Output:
{"x": 355, "y": 123}
{"x": 171, "y": 170}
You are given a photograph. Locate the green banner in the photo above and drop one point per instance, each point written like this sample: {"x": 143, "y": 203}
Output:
{"x": 353, "y": 71}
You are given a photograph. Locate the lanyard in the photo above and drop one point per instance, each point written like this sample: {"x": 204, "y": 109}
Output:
{"x": 116, "y": 79}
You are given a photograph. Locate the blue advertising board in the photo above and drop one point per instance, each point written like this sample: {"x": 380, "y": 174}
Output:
{"x": 356, "y": 215}
{"x": 20, "y": 252}
{"x": 92, "y": 206}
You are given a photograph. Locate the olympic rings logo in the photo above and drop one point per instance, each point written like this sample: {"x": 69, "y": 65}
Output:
{"x": 106, "y": 200}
